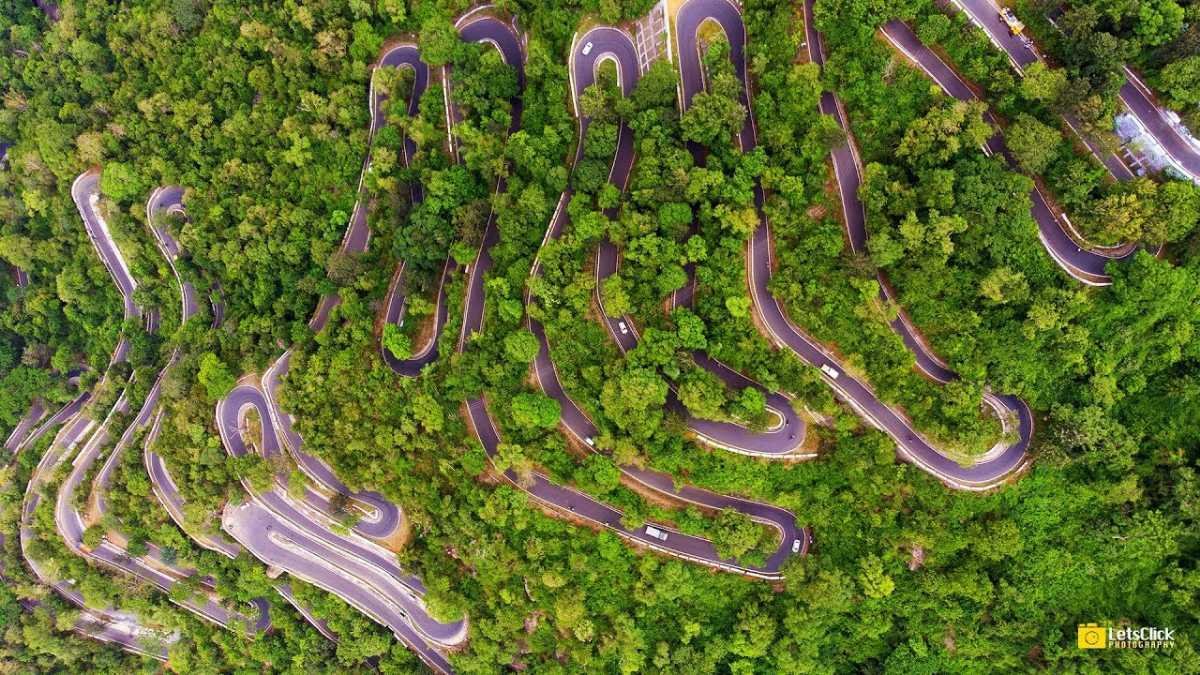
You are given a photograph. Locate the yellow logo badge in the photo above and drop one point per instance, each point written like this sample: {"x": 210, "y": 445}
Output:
{"x": 1092, "y": 636}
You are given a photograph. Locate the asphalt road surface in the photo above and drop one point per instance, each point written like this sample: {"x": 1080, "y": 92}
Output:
{"x": 1084, "y": 264}
{"x": 611, "y": 43}
{"x": 1137, "y": 98}
{"x": 981, "y": 475}
{"x": 111, "y": 624}
{"x": 379, "y": 518}
{"x": 280, "y": 544}
{"x": 358, "y": 233}
{"x": 85, "y": 192}
{"x": 169, "y": 200}
{"x": 152, "y": 568}
{"x": 357, "y": 555}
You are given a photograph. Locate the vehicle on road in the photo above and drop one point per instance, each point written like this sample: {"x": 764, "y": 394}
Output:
{"x": 1014, "y": 24}
{"x": 656, "y": 533}
{"x": 830, "y": 371}
{"x": 623, "y": 327}
{"x": 587, "y": 49}
{"x": 795, "y": 546}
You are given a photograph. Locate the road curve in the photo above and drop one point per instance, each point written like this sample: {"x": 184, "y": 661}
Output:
{"x": 379, "y": 517}
{"x": 848, "y": 171}
{"x": 123, "y": 629}
{"x": 611, "y": 43}
{"x": 482, "y": 28}
{"x": 1134, "y": 95}
{"x": 85, "y": 192}
{"x": 360, "y": 557}
{"x": 980, "y": 476}
{"x": 1084, "y": 264}
{"x": 358, "y": 233}
{"x": 787, "y": 435}
{"x": 153, "y": 567}
{"x": 169, "y": 199}
{"x": 279, "y": 543}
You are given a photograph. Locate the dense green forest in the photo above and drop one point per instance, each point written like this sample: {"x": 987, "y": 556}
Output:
{"x": 260, "y": 111}
{"x": 1094, "y": 40}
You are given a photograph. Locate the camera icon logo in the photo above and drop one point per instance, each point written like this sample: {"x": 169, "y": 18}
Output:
{"x": 1092, "y": 636}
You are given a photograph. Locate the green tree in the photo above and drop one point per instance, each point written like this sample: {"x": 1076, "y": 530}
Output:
{"x": 1034, "y": 143}
{"x": 215, "y": 377}
{"x": 535, "y": 410}
{"x": 396, "y": 342}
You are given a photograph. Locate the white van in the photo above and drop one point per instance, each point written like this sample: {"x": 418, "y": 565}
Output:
{"x": 830, "y": 371}
{"x": 656, "y": 533}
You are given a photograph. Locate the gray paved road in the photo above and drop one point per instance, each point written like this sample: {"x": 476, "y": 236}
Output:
{"x": 611, "y": 43}
{"x": 279, "y": 543}
{"x": 358, "y": 233}
{"x": 109, "y": 624}
{"x": 912, "y": 446}
{"x": 169, "y": 200}
{"x": 1083, "y": 264}
{"x": 1134, "y": 95}
{"x": 369, "y": 560}
{"x": 379, "y": 517}
{"x": 153, "y": 567}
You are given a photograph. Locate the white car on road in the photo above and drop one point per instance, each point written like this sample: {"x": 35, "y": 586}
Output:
{"x": 587, "y": 49}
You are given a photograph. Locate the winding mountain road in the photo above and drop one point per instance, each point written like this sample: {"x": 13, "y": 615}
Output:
{"x": 1084, "y": 264}
{"x": 379, "y": 517}
{"x": 298, "y": 535}
{"x": 1134, "y": 95}
{"x": 350, "y": 566}
{"x": 785, "y": 437}
{"x": 85, "y": 192}
{"x": 614, "y": 44}
{"x": 169, "y": 200}
{"x": 152, "y": 567}
{"x": 1137, "y": 98}
{"x": 991, "y": 471}
{"x": 358, "y": 232}
{"x": 110, "y": 624}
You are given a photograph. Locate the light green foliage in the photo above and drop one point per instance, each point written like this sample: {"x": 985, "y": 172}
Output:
{"x": 215, "y": 377}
